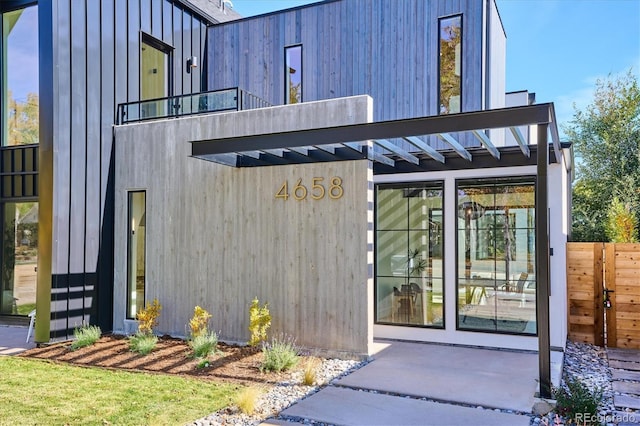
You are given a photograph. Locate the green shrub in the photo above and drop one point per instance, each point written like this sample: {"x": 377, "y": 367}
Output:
{"x": 85, "y": 336}
{"x": 279, "y": 355}
{"x": 576, "y": 402}
{"x": 142, "y": 343}
{"x": 204, "y": 345}
{"x": 259, "y": 322}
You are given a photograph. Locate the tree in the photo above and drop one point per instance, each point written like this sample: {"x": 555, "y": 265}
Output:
{"x": 23, "y": 120}
{"x": 606, "y": 139}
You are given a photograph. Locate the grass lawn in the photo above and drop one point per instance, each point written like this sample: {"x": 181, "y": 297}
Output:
{"x": 40, "y": 392}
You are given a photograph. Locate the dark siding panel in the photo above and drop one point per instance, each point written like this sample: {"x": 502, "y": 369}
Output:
{"x": 167, "y": 22}
{"x": 62, "y": 142}
{"x": 186, "y": 52}
{"x": 178, "y": 52}
{"x": 108, "y": 94}
{"x": 195, "y": 51}
{"x": 133, "y": 53}
{"x": 145, "y": 16}
{"x": 93, "y": 158}
{"x": 97, "y": 45}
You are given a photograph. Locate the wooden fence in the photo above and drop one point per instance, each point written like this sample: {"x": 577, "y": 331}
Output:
{"x": 591, "y": 268}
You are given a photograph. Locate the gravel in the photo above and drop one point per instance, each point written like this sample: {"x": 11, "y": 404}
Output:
{"x": 283, "y": 395}
{"x": 584, "y": 362}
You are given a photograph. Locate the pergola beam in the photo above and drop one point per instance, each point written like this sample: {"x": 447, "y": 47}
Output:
{"x": 490, "y": 119}
{"x": 389, "y": 146}
{"x": 486, "y": 142}
{"x": 520, "y": 140}
{"x": 429, "y": 150}
{"x": 457, "y": 147}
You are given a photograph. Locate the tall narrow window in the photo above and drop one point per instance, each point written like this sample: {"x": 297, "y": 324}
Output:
{"x": 409, "y": 268}
{"x": 19, "y": 257}
{"x": 496, "y": 256}
{"x": 450, "y": 75}
{"x": 20, "y": 99}
{"x": 136, "y": 248}
{"x": 293, "y": 74}
{"x": 155, "y": 66}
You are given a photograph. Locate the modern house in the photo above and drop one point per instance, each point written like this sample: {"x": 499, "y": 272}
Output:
{"x": 354, "y": 163}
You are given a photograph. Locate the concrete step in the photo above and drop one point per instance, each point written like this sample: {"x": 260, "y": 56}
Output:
{"x": 276, "y": 422}
{"x": 625, "y": 375}
{"x": 624, "y": 365}
{"x": 626, "y": 387}
{"x": 630, "y": 355}
{"x": 336, "y": 405}
{"x": 622, "y": 418}
{"x": 626, "y": 401}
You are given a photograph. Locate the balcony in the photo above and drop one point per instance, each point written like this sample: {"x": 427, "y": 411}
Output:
{"x": 234, "y": 99}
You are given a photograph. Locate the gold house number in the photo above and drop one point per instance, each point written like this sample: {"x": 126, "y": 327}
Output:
{"x": 318, "y": 191}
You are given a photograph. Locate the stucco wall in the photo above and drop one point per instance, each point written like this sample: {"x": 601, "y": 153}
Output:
{"x": 218, "y": 237}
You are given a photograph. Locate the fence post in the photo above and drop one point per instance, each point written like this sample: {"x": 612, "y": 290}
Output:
{"x": 610, "y": 283}
{"x": 598, "y": 307}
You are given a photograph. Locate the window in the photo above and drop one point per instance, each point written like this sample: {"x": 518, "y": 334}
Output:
{"x": 450, "y": 75}
{"x": 20, "y": 100}
{"x": 409, "y": 261}
{"x": 293, "y": 74}
{"x": 19, "y": 257}
{"x": 155, "y": 66}
{"x": 496, "y": 256}
{"x": 136, "y": 252}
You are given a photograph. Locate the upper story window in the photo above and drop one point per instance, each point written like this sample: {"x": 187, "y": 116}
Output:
{"x": 20, "y": 125}
{"x": 293, "y": 74}
{"x": 450, "y": 73}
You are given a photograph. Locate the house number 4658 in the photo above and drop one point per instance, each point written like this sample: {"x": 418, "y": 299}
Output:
{"x": 317, "y": 192}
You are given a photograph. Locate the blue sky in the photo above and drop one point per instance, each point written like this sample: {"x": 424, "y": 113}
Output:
{"x": 555, "y": 48}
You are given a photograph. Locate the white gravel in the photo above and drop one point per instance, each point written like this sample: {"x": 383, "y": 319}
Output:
{"x": 282, "y": 395}
{"x": 585, "y": 362}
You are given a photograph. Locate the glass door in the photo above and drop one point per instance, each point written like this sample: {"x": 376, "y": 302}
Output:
{"x": 19, "y": 258}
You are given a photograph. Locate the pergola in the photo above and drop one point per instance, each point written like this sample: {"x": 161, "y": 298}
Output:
{"x": 375, "y": 142}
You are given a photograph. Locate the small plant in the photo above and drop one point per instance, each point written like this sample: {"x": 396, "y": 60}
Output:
{"x": 310, "y": 375}
{"x": 198, "y": 323}
{"x": 576, "y": 401}
{"x": 259, "y": 322}
{"x": 85, "y": 336}
{"x": 247, "y": 399}
{"x": 279, "y": 355}
{"x": 148, "y": 317}
{"x": 204, "y": 345}
{"x": 203, "y": 363}
{"x": 142, "y": 343}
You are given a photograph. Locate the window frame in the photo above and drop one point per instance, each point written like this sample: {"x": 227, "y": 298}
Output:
{"x": 130, "y": 231}
{"x": 438, "y": 100}
{"x": 505, "y": 180}
{"x": 287, "y": 91}
{"x": 437, "y": 184}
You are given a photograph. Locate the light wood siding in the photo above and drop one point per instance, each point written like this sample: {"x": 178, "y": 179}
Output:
{"x": 217, "y": 236}
{"x": 387, "y": 49}
{"x": 93, "y": 66}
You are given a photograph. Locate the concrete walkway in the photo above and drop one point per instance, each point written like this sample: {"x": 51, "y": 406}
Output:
{"x": 430, "y": 384}
{"x": 13, "y": 340}
{"x": 625, "y": 373}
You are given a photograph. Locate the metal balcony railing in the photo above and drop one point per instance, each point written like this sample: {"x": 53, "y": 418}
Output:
{"x": 234, "y": 99}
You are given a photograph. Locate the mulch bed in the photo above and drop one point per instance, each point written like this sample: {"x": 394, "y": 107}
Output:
{"x": 234, "y": 364}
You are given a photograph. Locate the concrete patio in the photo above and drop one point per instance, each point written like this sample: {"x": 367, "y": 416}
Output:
{"x": 13, "y": 339}
{"x": 418, "y": 383}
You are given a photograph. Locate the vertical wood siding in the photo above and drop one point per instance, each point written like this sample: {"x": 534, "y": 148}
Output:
{"x": 95, "y": 66}
{"x": 385, "y": 49}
